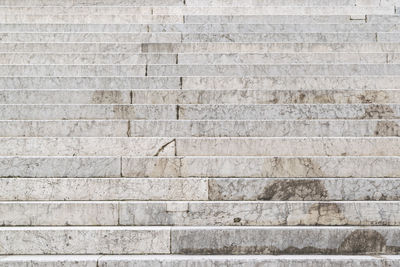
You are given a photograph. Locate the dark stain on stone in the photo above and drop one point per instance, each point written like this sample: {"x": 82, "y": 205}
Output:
{"x": 325, "y": 214}
{"x": 387, "y": 128}
{"x": 237, "y": 220}
{"x": 107, "y": 97}
{"x": 363, "y": 242}
{"x": 378, "y": 112}
{"x": 294, "y": 190}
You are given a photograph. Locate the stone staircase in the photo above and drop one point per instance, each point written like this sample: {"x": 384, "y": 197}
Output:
{"x": 199, "y": 133}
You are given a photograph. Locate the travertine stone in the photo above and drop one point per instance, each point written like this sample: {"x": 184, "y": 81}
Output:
{"x": 82, "y": 19}
{"x": 34, "y": 189}
{"x": 260, "y": 167}
{"x": 65, "y": 128}
{"x": 259, "y": 128}
{"x": 268, "y": 2}
{"x": 297, "y": 189}
{"x": 68, "y": 3}
{"x": 87, "y": 112}
{"x": 250, "y": 96}
{"x": 289, "y": 112}
{"x": 60, "y": 167}
{"x": 49, "y": 261}
{"x": 70, "y": 47}
{"x": 361, "y": 146}
{"x": 259, "y": 213}
{"x": 298, "y": 240}
{"x": 58, "y": 213}
{"x": 91, "y": 146}
{"x": 84, "y": 240}
{"x": 70, "y": 96}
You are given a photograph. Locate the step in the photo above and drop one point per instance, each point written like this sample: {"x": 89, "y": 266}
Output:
{"x": 209, "y": 28}
{"x": 242, "y": 19}
{"x": 60, "y": 167}
{"x": 91, "y": 2}
{"x": 72, "y": 70}
{"x": 198, "y": 10}
{"x": 232, "y": 70}
{"x": 260, "y": 167}
{"x": 142, "y": 37}
{"x": 287, "y": 2}
{"x": 97, "y": 189}
{"x": 285, "y": 240}
{"x": 87, "y": 112}
{"x": 116, "y": 19}
{"x": 260, "y": 47}
{"x": 195, "y": 213}
{"x": 285, "y": 82}
{"x": 71, "y": 47}
{"x": 301, "y": 189}
{"x": 185, "y": 96}
{"x": 65, "y": 128}
{"x": 204, "y": 260}
{"x": 91, "y": 146}
{"x": 84, "y": 240}
{"x": 114, "y": 58}
{"x": 258, "y": 112}
{"x": 110, "y": 82}
{"x": 251, "y": 128}
{"x": 70, "y": 96}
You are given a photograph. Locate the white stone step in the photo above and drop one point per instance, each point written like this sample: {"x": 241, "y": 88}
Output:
{"x": 193, "y": 260}
{"x": 275, "y": 111}
{"x": 243, "y": 19}
{"x": 71, "y": 47}
{"x": 289, "y": 2}
{"x": 254, "y": 128}
{"x": 230, "y": 70}
{"x": 284, "y": 146}
{"x": 87, "y": 112}
{"x": 60, "y": 167}
{"x": 260, "y": 167}
{"x": 300, "y": 189}
{"x": 80, "y": 189}
{"x": 199, "y": 10}
{"x": 209, "y": 27}
{"x": 90, "y": 3}
{"x": 95, "y": 82}
{"x": 65, "y": 128}
{"x": 84, "y": 240}
{"x": 199, "y": 213}
{"x": 184, "y": 96}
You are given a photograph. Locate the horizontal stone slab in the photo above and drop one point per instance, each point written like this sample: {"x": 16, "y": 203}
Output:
{"x": 83, "y": 146}
{"x": 271, "y": 19}
{"x": 269, "y": 2}
{"x": 267, "y": 47}
{"x": 90, "y": 83}
{"x": 91, "y": 2}
{"x": 72, "y": 70}
{"x": 281, "y": 37}
{"x": 64, "y": 128}
{"x": 300, "y": 189}
{"x": 58, "y": 213}
{"x": 50, "y": 260}
{"x": 70, "y": 47}
{"x": 84, "y": 58}
{"x": 60, "y": 167}
{"x": 294, "y": 128}
{"x": 374, "y": 19}
{"x": 91, "y": 18}
{"x": 285, "y": 240}
{"x": 69, "y": 96}
{"x": 261, "y": 167}
{"x": 84, "y": 240}
{"x": 284, "y": 146}
{"x": 74, "y": 37}
{"x": 271, "y": 70}
{"x": 289, "y": 112}
{"x": 292, "y": 83}
{"x": 87, "y": 112}
{"x": 36, "y": 189}
{"x": 237, "y": 96}
{"x": 259, "y": 213}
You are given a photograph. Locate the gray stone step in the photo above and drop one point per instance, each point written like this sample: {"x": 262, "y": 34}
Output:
{"x": 300, "y": 189}
{"x": 260, "y": 167}
{"x": 91, "y": 2}
{"x": 179, "y": 96}
{"x": 184, "y": 96}
{"x": 71, "y": 47}
{"x": 87, "y": 112}
{"x": 65, "y": 128}
{"x": 243, "y": 19}
{"x": 253, "y": 128}
{"x": 118, "y": 19}
{"x": 235, "y": 70}
{"x": 278, "y": 112}
{"x": 193, "y": 260}
{"x": 209, "y": 27}
{"x": 84, "y": 240}
{"x": 95, "y": 189}
{"x": 288, "y": 2}
{"x": 98, "y": 82}
{"x": 199, "y": 213}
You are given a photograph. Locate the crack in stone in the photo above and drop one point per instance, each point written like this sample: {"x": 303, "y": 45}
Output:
{"x": 161, "y": 149}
